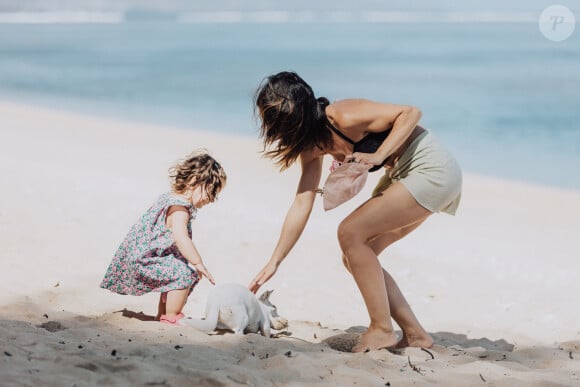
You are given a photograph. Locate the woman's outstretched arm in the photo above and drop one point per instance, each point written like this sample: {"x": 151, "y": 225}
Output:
{"x": 296, "y": 218}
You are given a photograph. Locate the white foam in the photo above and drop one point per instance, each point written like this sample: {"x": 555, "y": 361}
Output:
{"x": 234, "y": 17}
{"x": 450, "y": 17}
{"x": 353, "y": 17}
{"x": 56, "y": 17}
{"x": 313, "y": 16}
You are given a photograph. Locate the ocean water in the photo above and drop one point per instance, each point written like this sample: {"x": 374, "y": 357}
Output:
{"x": 505, "y": 99}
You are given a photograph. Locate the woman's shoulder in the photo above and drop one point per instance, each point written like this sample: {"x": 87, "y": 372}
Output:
{"x": 343, "y": 112}
{"x": 348, "y": 103}
{"x": 354, "y": 114}
{"x": 349, "y": 116}
{"x": 309, "y": 155}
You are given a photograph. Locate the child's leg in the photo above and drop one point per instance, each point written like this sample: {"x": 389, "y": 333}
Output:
{"x": 175, "y": 301}
{"x": 161, "y": 307}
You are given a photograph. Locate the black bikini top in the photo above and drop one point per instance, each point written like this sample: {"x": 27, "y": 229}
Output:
{"x": 368, "y": 144}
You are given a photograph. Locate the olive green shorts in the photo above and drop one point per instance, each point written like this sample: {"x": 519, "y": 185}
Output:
{"x": 429, "y": 172}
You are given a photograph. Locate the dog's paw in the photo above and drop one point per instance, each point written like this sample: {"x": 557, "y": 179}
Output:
{"x": 279, "y": 323}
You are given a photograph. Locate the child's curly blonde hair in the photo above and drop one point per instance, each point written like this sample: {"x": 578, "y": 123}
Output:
{"x": 199, "y": 168}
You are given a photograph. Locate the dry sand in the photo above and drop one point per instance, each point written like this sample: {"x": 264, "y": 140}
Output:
{"x": 497, "y": 285}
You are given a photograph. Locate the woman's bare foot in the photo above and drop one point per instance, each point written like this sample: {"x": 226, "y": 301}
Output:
{"x": 419, "y": 341}
{"x": 375, "y": 339}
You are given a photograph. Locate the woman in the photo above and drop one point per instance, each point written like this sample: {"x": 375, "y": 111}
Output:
{"x": 421, "y": 178}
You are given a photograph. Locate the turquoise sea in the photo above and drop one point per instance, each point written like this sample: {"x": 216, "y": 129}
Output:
{"x": 504, "y": 98}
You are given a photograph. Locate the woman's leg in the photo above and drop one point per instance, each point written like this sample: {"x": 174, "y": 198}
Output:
{"x": 414, "y": 335}
{"x": 394, "y": 209}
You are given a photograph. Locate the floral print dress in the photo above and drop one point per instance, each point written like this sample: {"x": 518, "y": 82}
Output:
{"x": 148, "y": 259}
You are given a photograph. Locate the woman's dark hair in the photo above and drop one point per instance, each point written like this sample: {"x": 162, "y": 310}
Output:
{"x": 292, "y": 119}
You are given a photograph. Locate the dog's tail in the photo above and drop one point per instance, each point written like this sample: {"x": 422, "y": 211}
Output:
{"x": 206, "y": 325}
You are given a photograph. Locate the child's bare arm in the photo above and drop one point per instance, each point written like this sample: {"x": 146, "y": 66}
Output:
{"x": 177, "y": 220}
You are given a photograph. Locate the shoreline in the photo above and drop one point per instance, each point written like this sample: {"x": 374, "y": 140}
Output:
{"x": 81, "y": 111}
{"x": 501, "y": 271}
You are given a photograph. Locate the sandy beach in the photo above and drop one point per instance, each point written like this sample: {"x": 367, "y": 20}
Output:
{"x": 497, "y": 285}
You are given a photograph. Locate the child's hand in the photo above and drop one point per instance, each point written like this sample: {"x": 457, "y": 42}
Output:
{"x": 203, "y": 272}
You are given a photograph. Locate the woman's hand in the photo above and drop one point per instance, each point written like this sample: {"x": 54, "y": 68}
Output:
{"x": 365, "y": 158}
{"x": 264, "y": 275}
{"x": 203, "y": 272}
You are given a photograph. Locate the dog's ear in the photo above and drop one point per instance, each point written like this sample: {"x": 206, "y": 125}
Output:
{"x": 266, "y": 295}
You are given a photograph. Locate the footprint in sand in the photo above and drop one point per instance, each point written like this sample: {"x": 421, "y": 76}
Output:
{"x": 344, "y": 342}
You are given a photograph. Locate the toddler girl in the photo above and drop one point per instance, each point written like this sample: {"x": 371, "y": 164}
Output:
{"x": 158, "y": 254}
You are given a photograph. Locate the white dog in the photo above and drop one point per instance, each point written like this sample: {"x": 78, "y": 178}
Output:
{"x": 234, "y": 307}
